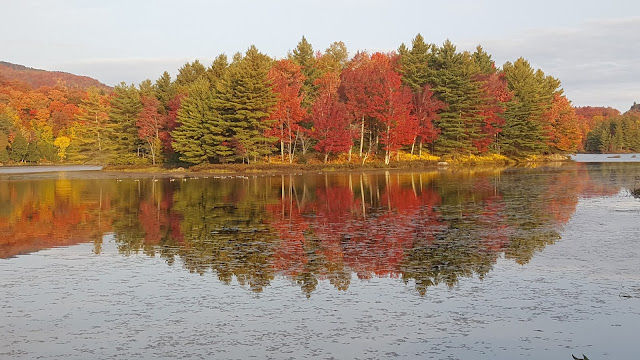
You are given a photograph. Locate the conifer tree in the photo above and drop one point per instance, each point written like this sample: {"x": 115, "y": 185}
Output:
{"x": 533, "y": 93}
{"x": 304, "y": 57}
{"x": 188, "y": 74}
{"x": 414, "y": 64}
{"x": 127, "y": 147}
{"x": 165, "y": 90}
{"x": 217, "y": 69}
{"x": 147, "y": 89}
{"x": 414, "y": 67}
{"x": 201, "y": 133}
{"x": 453, "y": 82}
{"x": 245, "y": 99}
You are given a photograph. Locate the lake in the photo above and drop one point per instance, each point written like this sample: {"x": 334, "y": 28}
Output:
{"x": 516, "y": 263}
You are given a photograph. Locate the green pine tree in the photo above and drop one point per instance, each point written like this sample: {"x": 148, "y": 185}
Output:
{"x": 304, "y": 57}
{"x": 245, "y": 99}
{"x": 147, "y": 88}
{"x": 483, "y": 61}
{"x": 523, "y": 133}
{"x": 188, "y": 74}
{"x": 415, "y": 64}
{"x": 202, "y": 134}
{"x": 453, "y": 81}
{"x": 126, "y": 147}
{"x": 165, "y": 90}
{"x": 217, "y": 70}
{"x": 19, "y": 148}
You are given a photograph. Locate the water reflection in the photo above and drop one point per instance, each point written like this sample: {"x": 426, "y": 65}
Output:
{"x": 423, "y": 228}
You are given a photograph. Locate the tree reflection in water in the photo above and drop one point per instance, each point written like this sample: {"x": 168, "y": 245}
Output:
{"x": 423, "y": 228}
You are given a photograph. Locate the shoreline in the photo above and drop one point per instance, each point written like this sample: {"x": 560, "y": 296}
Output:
{"x": 285, "y": 168}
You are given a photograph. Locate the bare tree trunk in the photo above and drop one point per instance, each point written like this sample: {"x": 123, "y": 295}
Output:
{"x": 413, "y": 145}
{"x": 362, "y": 136}
{"x": 290, "y": 145}
{"x": 153, "y": 151}
{"x": 282, "y": 150}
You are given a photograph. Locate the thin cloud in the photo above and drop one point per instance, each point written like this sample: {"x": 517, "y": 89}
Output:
{"x": 596, "y": 61}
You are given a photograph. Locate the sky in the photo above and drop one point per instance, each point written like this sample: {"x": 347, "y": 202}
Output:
{"x": 591, "y": 46}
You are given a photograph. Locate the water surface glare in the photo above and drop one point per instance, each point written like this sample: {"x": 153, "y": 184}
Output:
{"x": 493, "y": 264}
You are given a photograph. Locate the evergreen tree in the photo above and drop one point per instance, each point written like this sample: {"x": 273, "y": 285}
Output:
{"x": 245, "y": 99}
{"x": 188, "y": 74}
{"x": 165, "y": 90}
{"x": 201, "y": 133}
{"x": 414, "y": 67}
{"x": 483, "y": 61}
{"x": 125, "y": 106}
{"x": 414, "y": 64}
{"x": 524, "y": 132}
{"x": 6, "y": 129}
{"x": 304, "y": 57}
{"x": 19, "y": 148}
{"x": 217, "y": 70}
{"x": 33, "y": 154}
{"x": 453, "y": 82}
{"x": 147, "y": 88}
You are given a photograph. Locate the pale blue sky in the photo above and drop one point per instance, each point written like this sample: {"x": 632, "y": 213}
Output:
{"x": 591, "y": 46}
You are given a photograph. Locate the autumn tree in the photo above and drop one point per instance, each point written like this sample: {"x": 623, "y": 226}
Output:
{"x": 495, "y": 95}
{"x": 334, "y": 59}
{"x": 392, "y": 105}
{"x": 287, "y": 82}
{"x": 414, "y": 67}
{"x": 150, "y": 125}
{"x": 90, "y": 140}
{"x": 331, "y": 126}
{"x": 561, "y": 126}
{"x": 355, "y": 90}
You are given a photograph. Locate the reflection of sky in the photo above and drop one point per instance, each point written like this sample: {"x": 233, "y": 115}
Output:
{"x": 68, "y": 302}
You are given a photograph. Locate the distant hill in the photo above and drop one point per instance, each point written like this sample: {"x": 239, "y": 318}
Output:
{"x": 36, "y": 78}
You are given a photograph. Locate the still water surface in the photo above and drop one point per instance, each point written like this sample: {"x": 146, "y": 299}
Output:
{"x": 516, "y": 263}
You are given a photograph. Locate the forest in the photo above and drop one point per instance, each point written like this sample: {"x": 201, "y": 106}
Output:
{"x": 421, "y": 102}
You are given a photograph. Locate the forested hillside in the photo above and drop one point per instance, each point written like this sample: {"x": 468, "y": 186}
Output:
{"x": 421, "y": 101}
{"x": 36, "y": 78}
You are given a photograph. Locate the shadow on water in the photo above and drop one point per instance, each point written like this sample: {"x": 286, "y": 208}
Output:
{"x": 423, "y": 228}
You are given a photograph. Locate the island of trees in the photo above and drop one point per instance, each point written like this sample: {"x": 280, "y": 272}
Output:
{"x": 422, "y": 102}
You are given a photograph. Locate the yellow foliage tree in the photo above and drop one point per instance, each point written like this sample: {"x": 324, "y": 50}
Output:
{"x": 62, "y": 143}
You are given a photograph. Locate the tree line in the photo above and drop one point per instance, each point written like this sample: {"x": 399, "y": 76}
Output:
{"x": 423, "y": 99}
{"x": 617, "y": 133}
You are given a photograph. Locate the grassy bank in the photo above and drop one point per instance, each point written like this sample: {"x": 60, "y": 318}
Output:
{"x": 278, "y": 167}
